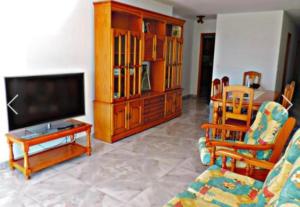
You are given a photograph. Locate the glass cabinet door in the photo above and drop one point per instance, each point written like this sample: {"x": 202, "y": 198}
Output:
{"x": 169, "y": 62}
{"x": 135, "y": 64}
{"x": 178, "y": 63}
{"x": 120, "y": 39}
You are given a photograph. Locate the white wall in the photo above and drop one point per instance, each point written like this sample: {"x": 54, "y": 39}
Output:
{"x": 187, "y": 56}
{"x": 209, "y": 26}
{"x": 297, "y": 70}
{"x": 288, "y": 27}
{"x": 248, "y": 41}
{"x": 49, "y": 37}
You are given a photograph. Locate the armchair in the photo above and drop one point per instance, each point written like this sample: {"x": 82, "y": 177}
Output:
{"x": 220, "y": 187}
{"x": 264, "y": 140}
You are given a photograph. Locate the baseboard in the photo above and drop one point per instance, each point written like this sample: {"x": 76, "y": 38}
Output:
{"x": 189, "y": 96}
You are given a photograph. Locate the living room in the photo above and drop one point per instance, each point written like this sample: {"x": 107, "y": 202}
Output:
{"x": 147, "y": 77}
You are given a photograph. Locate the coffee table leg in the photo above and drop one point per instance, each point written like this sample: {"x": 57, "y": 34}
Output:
{"x": 26, "y": 162}
{"x": 11, "y": 154}
{"x": 88, "y": 142}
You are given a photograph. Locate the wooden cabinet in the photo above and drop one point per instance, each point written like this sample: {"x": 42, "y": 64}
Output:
{"x": 173, "y": 102}
{"x": 154, "y": 47}
{"x": 160, "y": 47}
{"x": 178, "y": 101}
{"x": 135, "y": 114}
{"x": 149, "y": 47}
{"x": 119, "y": 118}
{"x": 154, "y": 108}
{"x": 173, "y": 63}
{"x": 170, "y": 100}
{"x": 125, "y": 37}
{"x": 127, "y": 48}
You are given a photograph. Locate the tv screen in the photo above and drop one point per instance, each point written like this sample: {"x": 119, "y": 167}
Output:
{"x": 40, "y": 99}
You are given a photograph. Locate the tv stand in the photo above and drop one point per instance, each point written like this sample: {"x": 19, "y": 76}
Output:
{"x": 29, "y": 164}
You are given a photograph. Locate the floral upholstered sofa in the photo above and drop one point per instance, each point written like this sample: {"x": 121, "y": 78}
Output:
{"x": 218, "y": 187}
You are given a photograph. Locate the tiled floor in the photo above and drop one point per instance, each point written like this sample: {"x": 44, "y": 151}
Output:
{"x": 140, "y": 171}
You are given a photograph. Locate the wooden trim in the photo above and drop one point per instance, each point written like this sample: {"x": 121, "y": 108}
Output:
{"x": 252, "y": 161}
{"x": 143, "y": 12}
{"x": 216, "y": 143}
{"x": 120, "y": 136}
{"x": 282, "y": 138}
{"x": 225, "y": 127}
{"x": 200, "y": 60}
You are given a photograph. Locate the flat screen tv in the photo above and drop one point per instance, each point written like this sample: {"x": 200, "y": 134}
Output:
{"x": 40, "y": 99}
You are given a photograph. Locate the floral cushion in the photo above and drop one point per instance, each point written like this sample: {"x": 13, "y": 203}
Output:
{"x": 270, "y": 118}
{"x": 277, "y": 177}
{"x": 290, "y": 193}
{"x": 218, "y": 187}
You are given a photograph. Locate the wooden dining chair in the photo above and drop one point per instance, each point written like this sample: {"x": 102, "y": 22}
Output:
{"x": 225, "y": 82}
{"x": 238, "y": 98}
{"x": 288, "y": 93}
{"x": 216, "y": 87}
{"x": 252, "y": 76}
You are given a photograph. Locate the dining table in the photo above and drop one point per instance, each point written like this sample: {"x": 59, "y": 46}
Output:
{"x": 260, "y": 96}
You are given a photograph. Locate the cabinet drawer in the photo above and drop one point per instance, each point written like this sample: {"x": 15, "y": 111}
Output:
{"x": 154, "y": 108}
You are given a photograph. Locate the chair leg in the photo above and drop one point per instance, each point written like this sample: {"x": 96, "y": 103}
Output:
{"x": 224, "y": 162}
{"x": 233, "y": 162}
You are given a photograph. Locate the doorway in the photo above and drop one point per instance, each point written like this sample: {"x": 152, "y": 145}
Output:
{"x": 286, "y": 61}
{"x": 206, "y": 59}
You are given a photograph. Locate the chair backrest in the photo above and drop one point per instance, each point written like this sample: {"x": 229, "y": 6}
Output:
{"x": 288, "y": 93}
{"x": 239, "y": 98}
{"x": 252, "y": 76}
{"x": 276, "y": 183}
{"x": 225, "y": 81}
{"x": 216, "y": 87}
{"x": 269, "y": 121}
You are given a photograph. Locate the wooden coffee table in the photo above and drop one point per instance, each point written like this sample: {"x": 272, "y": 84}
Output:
{"x": 41, "y": 160}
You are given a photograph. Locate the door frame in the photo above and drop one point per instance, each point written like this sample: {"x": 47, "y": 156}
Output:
{"x": 200, "y": 60}
{"x": 286, "y": 60}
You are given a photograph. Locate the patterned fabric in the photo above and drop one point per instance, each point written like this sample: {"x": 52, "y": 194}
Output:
{"x": 290, "y": 194}
{"x": 218, "y": 187}
{"x": 270, "y": 118}
{"x": 277, "y": 177}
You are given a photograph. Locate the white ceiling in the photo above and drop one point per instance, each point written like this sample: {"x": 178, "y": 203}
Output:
{"x": 192, "y": 8}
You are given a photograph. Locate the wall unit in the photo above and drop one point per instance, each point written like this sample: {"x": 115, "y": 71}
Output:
{"x": 125, "y": 37}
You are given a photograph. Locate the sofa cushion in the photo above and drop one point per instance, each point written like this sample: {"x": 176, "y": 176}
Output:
{"x": 269, "y": 119}
{"x": 218, "y": 187}
{"x": 278, "y": 176}
{"x": 290, "y": 193}
{"x": 187, "y": 199}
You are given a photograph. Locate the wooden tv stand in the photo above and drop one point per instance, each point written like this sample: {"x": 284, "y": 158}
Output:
{"x": 41, "y": 160}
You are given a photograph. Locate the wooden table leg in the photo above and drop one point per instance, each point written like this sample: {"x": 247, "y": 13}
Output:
{"x": 26, "y": 171}
{"x": 11, "y": 154}
{"x": 88, "y": 142}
